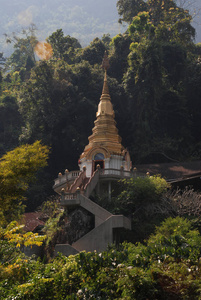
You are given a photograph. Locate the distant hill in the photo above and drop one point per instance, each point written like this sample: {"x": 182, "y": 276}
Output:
{"x": 83, "y": 19}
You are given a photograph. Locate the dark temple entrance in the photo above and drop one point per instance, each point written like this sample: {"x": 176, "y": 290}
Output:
{"x": 98, "y": 160}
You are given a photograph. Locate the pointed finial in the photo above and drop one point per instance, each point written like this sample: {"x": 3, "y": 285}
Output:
{"x": 105, "y": 66}
{"x": 105, "y": 63}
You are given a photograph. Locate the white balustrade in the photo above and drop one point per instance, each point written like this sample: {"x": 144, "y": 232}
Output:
{"x": 120, "y": 173}
{"x": 66, "y": 177}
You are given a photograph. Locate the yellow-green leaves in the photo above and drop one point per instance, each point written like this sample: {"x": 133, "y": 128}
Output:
{"x": 23, "y": 161}
{"x": 17, "y": 170}
{"x": 14, "y": 235}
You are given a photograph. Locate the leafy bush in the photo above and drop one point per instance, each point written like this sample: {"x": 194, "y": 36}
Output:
{"x": 139, "y": 192}
{"x": 167, "y": 267}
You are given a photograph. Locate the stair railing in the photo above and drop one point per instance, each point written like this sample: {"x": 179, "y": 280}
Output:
{"x": 78, "y": 181}
{"x": 89, "y": 187}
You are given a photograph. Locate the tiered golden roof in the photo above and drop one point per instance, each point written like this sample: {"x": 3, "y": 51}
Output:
{"x": 105, "y": 138}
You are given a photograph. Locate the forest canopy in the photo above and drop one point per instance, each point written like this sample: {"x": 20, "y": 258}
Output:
{"x": 49, "y": 94}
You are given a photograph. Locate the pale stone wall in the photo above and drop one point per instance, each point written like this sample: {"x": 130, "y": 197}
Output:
{"x": 115, "y": 162}
{"x": 88, "y": 165}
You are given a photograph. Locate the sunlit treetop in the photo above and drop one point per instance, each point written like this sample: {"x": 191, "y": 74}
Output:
{"x": 164, "y": 22}
{"x": 17, "y": 169}
{"x": 171, "y": 22}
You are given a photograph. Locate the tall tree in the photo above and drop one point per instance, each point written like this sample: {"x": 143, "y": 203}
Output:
{"x": 23, "y": 44}
{"x": 58, "y": 105}
{"x": 119, "y": 51}
{"x": 10, "y": 125}
{"x": 63, "y": 46}
{"x": 161, "y": 40}
{"x": 94, "y": 52}
{"x": 171, "y": 21}
{"x": 193, "y": 93}
{"x": 128, "y": 9}
{"x": 17, "y": 170}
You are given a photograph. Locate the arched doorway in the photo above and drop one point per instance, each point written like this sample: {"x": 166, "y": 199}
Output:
{"x": 98, "y": 160}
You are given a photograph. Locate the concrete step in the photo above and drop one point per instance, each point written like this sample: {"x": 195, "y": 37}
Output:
{"x": 65, "y": 249}
{"x": 99, "y": 212}
{"x": 101, "y": 236}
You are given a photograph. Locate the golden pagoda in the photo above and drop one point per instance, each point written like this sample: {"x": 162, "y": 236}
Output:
{"x": 103, "y": 162}
{"x": 103, "y": 152}
{"x": 105, "y": 146}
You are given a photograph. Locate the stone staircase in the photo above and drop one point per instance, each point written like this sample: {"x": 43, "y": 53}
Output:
{"x": 102, "y": 234}
{"x": 91, "y": 184}
{"x": 100, "y": 214}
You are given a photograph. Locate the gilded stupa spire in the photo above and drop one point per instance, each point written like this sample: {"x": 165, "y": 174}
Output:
{"x": 105, "y": 138}
{"x": 105, "y": 66}
{"x": 105, "y": 63}
{"x": 105, "y": 105}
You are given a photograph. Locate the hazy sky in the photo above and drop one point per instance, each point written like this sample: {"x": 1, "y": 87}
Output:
{"x": 83, "y": 19}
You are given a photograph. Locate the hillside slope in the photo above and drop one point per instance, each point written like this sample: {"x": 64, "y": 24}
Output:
{"x": 84, "y": 20}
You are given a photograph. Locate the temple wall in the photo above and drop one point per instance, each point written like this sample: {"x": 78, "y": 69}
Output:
{"x": 88, "y": 165}
{"x": 115, "y": 162}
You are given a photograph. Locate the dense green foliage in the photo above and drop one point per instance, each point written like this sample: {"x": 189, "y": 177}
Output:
{"x": 12, "y": 239}
{"x": 23, "y": 55}
{"x": 138, "y": 192}
{"x": 166, "y": 267}
{"x": 154, "y": 82}
{"x": 17, "y": 169}
{"x": 154, "y": 72}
